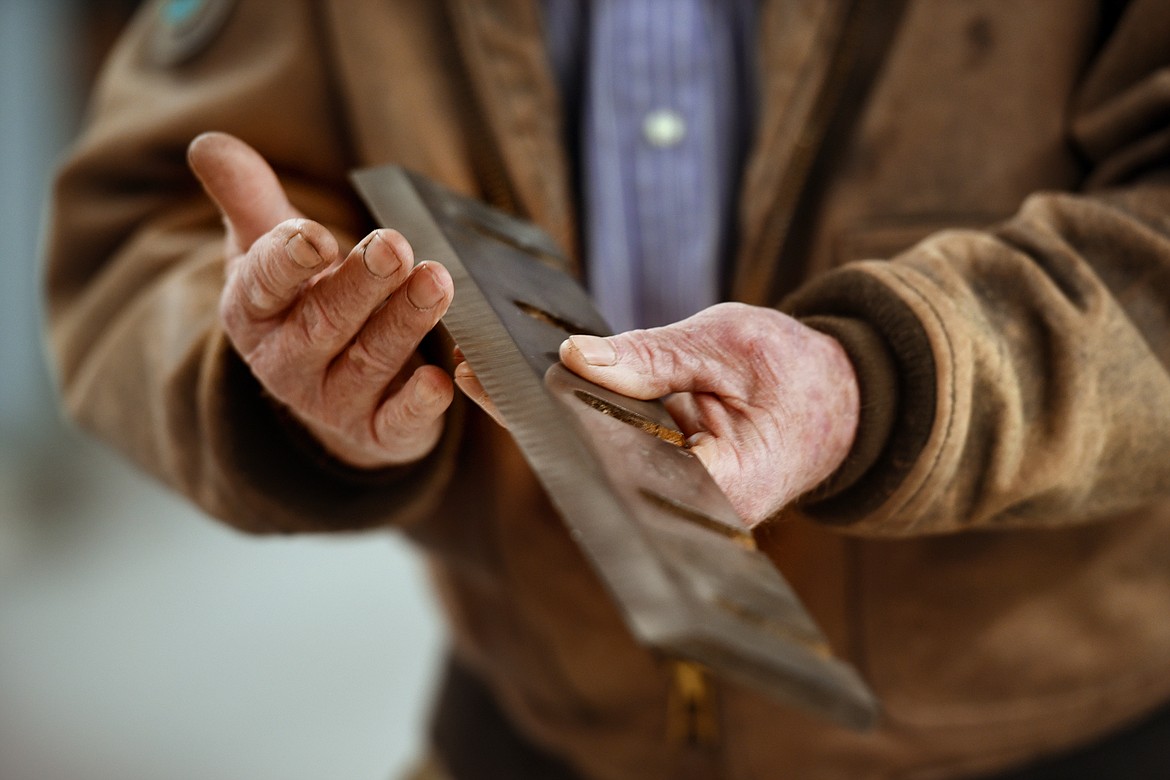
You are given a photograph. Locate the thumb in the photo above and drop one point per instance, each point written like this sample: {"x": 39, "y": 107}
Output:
{"x": 642, "y": 363}
{"x": 242, "y": 184}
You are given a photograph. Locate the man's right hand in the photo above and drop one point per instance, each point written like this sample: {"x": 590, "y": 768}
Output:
{"x": 334, "y": 338}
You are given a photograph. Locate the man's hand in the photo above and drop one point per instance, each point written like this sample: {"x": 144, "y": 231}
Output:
{"x": 331, "y": 337}
{"x": 769, "y": 405}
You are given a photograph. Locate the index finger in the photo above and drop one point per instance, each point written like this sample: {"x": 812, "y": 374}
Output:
{"x": 267, "y": 279}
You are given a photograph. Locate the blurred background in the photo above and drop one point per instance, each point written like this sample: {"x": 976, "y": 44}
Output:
{"x": 138, "y": 639}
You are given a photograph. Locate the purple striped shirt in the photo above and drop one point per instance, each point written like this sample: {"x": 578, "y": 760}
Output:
{"x": 659, "y": 96}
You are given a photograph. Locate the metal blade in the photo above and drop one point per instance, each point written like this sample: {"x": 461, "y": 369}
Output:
{"x": 678, "y": 561}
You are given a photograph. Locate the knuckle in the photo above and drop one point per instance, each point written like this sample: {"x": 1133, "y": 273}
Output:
{"x": 317, "y": 323}
{"x": 387, "y": 423}
{"x": 368, "y": 362}
{"x": 258, "y": 286}
{"x": 659, "y": 363}
{"x": 410, "y": 415}
{"x": 667, "y": 357}
{"x": 650, "y": 354}
{"x": 741, "y": 348}
{"x": 420, "y": 403}
{"x": 398, "y": 420}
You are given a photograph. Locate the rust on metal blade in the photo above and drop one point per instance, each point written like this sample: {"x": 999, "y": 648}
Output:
{"x": 675, "y": 557}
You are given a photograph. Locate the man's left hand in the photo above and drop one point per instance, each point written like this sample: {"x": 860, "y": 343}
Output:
{"x": 769, "y": 405}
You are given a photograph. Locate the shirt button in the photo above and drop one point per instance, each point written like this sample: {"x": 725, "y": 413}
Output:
{"x": 663, "y": 128}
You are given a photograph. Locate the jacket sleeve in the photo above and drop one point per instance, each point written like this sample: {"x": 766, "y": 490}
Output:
{"x": 135, "y": 269}
{"x": 1018, "y": 376}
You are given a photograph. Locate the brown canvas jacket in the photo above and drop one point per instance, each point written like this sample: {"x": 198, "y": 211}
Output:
{"x": 972, "y": 196}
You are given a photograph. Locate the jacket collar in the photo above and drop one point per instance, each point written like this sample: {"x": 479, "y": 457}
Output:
{"x": 802, "y": 69}
{"x": 502, "y": 43}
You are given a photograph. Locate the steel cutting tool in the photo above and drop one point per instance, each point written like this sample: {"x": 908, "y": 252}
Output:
{"x": 675, "y": 557}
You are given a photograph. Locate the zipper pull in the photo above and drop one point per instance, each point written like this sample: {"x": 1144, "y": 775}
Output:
{"x": 691, "y": 718}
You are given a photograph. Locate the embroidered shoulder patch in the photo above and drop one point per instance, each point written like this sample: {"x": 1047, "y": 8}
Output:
{"x": 183, "y": 28}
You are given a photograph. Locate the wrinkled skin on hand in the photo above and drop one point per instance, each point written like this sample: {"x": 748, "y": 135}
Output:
{"x": 331, "y": 336}
{"x": 769, "y": 405}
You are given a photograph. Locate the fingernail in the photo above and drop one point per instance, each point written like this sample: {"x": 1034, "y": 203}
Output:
{"x": 423, "y": 290}
{"x": 380, "y": 258}
{"x": 302, "y": 252}
{"x": 596, "y": 350}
